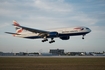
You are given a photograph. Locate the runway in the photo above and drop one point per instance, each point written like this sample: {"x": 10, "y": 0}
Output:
{"x": 52, "y": 62}
{"x": 52, "y": 56}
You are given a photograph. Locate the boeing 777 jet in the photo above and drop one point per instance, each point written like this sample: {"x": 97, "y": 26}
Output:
{"x": 62, "y": 33}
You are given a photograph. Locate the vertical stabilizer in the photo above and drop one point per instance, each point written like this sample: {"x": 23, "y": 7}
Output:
{"x": 16, "y": 25}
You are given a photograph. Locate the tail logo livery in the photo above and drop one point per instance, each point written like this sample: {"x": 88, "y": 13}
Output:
{"x": 62, "y": 33}
{"x": 15, "y": 23}
{"x": 19, "y": 30}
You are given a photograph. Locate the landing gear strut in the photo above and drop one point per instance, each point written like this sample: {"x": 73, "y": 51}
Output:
{"x": 45, "y": 39}
{"x": 51, "y": 40}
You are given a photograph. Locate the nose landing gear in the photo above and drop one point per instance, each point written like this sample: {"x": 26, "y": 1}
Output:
{"x": 83, "y": 36}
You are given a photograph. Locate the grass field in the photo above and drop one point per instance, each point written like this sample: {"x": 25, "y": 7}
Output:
{"x": 52, "y": 63}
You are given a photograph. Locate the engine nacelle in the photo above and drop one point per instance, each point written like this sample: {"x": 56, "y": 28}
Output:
{"x": 53, "y": 34}
{"x": 65, "y": 38}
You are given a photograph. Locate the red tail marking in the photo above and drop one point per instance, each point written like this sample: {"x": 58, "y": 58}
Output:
{"x": 15, "y": 23}
{"x": 19, "y": 30}
{"x": 13, "y": 34}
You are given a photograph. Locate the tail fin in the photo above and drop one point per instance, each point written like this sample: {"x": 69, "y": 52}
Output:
{"x": 16, "y": 25}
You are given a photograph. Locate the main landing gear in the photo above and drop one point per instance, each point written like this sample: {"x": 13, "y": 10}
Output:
{"x": 51, "y": 40}
{"x": 45, "y": 39}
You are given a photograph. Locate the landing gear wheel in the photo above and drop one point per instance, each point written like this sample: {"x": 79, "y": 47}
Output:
{"x": 51, "y": 41}
{"x": 44, "y": 40}
{"x": 83, "y": 37}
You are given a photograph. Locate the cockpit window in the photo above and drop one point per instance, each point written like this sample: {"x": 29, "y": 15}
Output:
{"x": 87, "y": 28}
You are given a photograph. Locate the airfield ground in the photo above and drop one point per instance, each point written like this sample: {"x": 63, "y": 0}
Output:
{"x": 16, "y": 63}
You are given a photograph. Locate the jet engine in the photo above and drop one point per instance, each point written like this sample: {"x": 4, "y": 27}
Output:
{"x": 65, "y": 38}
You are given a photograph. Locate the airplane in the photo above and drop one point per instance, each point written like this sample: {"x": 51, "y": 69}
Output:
{"x": 62, "y": 33}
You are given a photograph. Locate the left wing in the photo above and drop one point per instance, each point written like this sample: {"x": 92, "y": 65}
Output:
{"x": 41, "y": 32}
{"x": 34, "y": 30}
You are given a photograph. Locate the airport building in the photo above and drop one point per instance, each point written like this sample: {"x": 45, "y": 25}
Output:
{"x": 6, "y": 54}
{"x": 75, "y": 53}
{"x": 57, "y": 51}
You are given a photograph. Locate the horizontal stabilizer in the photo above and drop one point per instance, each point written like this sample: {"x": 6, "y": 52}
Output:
{"x": 12, "y": 33}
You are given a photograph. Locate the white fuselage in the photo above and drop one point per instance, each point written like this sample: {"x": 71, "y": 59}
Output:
{"x": 62, "y": 32}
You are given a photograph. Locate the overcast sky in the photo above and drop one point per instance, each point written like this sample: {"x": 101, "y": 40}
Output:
{"x": 48, "y": 14}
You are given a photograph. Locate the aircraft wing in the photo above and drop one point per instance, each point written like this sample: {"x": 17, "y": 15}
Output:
{"x": 35, "y": 30}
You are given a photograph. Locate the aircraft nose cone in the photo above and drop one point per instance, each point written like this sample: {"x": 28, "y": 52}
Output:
{"x": 89, "y": 30}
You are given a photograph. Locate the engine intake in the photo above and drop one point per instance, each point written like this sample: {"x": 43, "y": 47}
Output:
{"x": 65, "y": 38}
